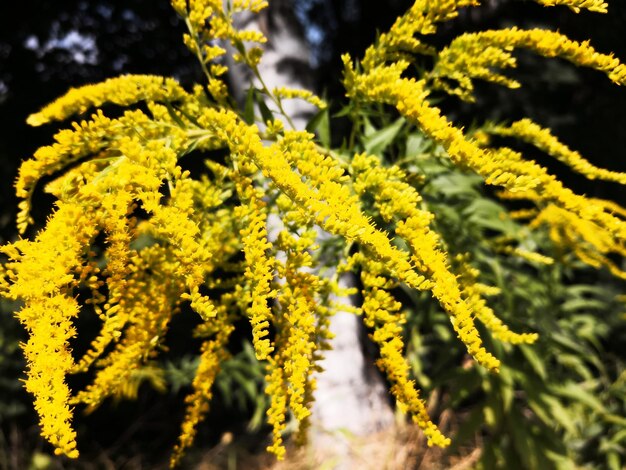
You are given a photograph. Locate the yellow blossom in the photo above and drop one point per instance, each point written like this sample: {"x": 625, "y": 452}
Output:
{"x": 528, "y": 131}
{"x": 259, "y": 266}
{"x": 395, "y": 199}
{"x": 599, "y": 6}
{"x": 290, "y": 93}
{"x": 383, "y": 313}
{"x": 213, "y": 353}
{"x": 123, "y": 91}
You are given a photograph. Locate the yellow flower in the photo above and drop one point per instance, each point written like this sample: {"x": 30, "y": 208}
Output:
{"x": 277, "y": 412}
{"x": 383, "y": 313}
{"x": 290, "y": 93}
{"x": 42, "y": 276}
{"x": 397, "y": 201}
{"x": 528, "y": 131}
{"x": 213, "y": 353}
{"x": 170, "y": 240}
{"x": 123, "y": 91}
{"x": 259, "y": 265}
{"x": 599, "y": 6}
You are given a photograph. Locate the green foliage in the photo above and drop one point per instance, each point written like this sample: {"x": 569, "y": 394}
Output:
{"x": 556, "y": 404}
{"x": 12, "y": 403}
{"x": 241, "y": 385}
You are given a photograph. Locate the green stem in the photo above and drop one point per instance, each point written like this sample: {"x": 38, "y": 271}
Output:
{"x": 198, "y": 50}
{"x": 269, "y": 94}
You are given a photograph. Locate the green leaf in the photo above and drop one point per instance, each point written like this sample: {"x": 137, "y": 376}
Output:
{"x": 574, "y": 305}
{"x": 456, "y": 185}
{"x": 576, "y": 392}
{"x": 259, "y": 413}
{"x": 378, "y": 141}
{"x": 565, "y": 341}
{"x": 490, "y": 414}
{"x": 248, "y": 110}
{"x": 368, "y": 127}
{"x": 576, "y": 364}
{"x": 613, "y": 461}
{"x": 536, "y": 363}
{"x": 580, "y": 290}
{"x": 172, "y": 112}
{"x": 522, "y": 440}
{"x": 560, "y": 461}
{"x": 506, "y": 394}
{"x": 489, "y": 214}
{"x": 266, "y": 113}
{"x": 320, "y": 125}
{"x": 225, "y": 388}
{"x": 550, "y": 409}
{"x": 416, "y": 144}
{"x": 615, "y": 419}
{"x": 345, "y": 111}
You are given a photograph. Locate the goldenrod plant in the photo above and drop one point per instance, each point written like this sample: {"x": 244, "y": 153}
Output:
{"x": 173, "y": 239}
{"x": 556, "y": 404}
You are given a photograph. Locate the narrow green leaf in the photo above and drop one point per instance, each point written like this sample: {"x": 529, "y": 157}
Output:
{"x": 574, "y": 305}
{"x": 320, "y": 125}
{"x": 534, "y": 360}
{"x": 576, "y": 392}
{"x": 378, "y": 141}
{"x": 613, "y": 461}
{"x": 416, "y": 144}
{"x": 557, "y": 412}
{"x": 248, "y": 111}
{"x": 191, "y": 147}
{"x": 345, "y": 111}
{"x": 174, "y": 115}
{"x": 522, "y": 440}
{"x": 226, "y": 391}
{"x": 259, "y": 414}
{"x": 266, "y": 113}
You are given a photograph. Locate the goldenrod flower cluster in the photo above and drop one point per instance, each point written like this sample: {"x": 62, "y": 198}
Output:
{"x": 213, "y": 352}
{"x": 395, "y": 199}
{"x": 529, "y": 131}
{"x": 383, "y": 313}
{"x": 176, "y": 243}
{"x": 382, "y": 81}
{"x": 590, "y": 242}
{"x": 259, "y": 266}
{"x": 599, "y": 6}
{"x": 302, "y": 334}
{"x": 289, "y": 93}
{"x": 123, "y": 91}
